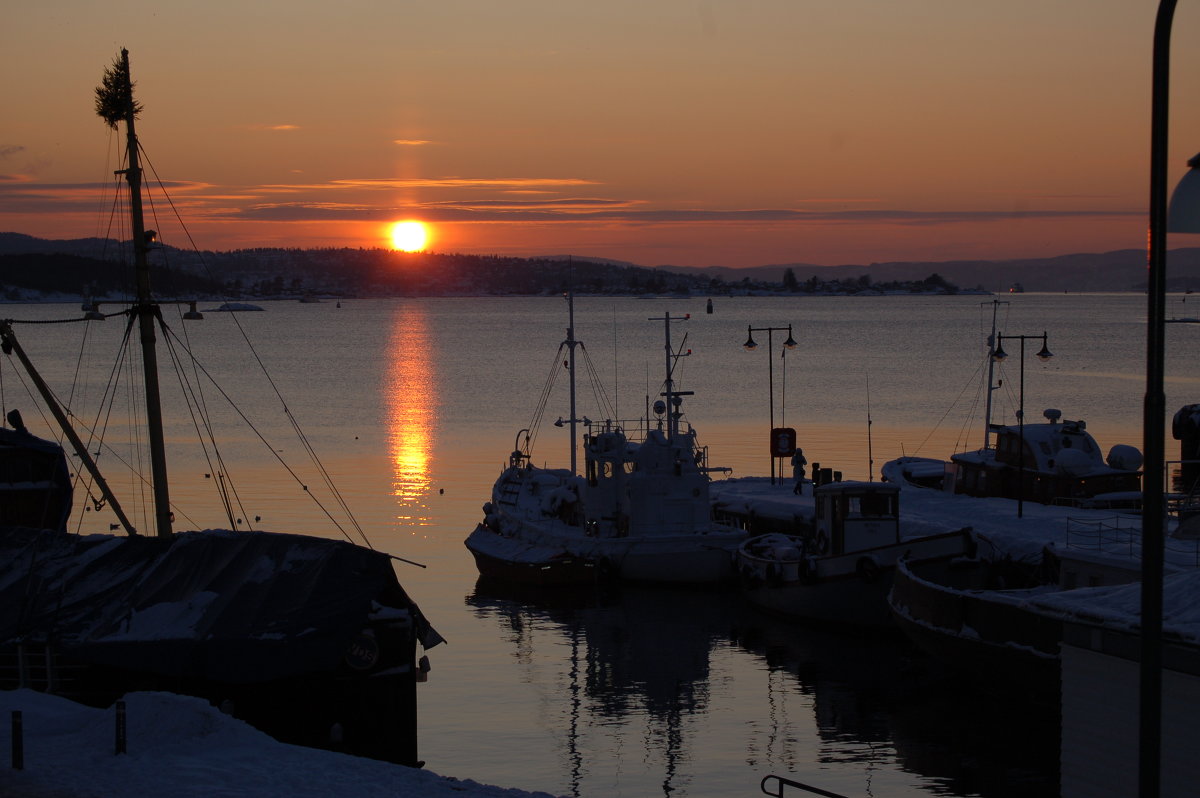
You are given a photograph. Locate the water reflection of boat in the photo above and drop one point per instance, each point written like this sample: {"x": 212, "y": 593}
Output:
{"x": 630, "y": 653}
{"x": 625, "y": 682}
{"x": 311, "y": 639}
{"x": 876, "y": 700}
{"x": 640, "y": 511}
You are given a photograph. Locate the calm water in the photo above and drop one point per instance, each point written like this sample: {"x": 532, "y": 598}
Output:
{"x": 413, "y": 405}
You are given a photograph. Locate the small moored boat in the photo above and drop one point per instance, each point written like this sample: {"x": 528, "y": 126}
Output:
{"x": 843, "y": 572}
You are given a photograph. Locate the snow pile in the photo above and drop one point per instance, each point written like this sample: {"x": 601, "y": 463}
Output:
{"x": 180, "y": 746}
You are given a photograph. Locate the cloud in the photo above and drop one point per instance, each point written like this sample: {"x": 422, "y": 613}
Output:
{"x": 562, "y": 204}
{"x": 22, "y": 195}
{"x": 9, "y": 150}
{"x": 501, "y": 200}
{"x": 462, "y": 182}
{"x": 284, "y": 127}
{"x": 411, "y": 142}
{"x": 622, "y": 211}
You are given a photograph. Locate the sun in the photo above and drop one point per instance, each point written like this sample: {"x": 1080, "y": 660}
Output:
{"x": 410, "y": 236}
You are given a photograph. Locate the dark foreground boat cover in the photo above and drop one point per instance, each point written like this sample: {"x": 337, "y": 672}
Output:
{"x": 226, "y": 606}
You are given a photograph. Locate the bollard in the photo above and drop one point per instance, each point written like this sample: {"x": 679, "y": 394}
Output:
{"x": 18, "y": 741}
{"x": 120, "y": 728}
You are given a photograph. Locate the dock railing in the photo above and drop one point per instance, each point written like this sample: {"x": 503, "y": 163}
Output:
{"x": 1121, "y": 535}
{"x": 781, "y": 782}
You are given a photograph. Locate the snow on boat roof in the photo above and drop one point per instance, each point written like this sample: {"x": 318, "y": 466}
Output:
{"x": 1120, "y": 606}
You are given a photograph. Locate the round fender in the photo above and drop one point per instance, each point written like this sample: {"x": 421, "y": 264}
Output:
{"x": 867, "y": 569}
{"x": 808, "y": 570}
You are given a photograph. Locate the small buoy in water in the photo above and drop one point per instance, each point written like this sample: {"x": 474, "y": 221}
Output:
{"x": 441, "y": 491}
{"x": 710, "y": 305}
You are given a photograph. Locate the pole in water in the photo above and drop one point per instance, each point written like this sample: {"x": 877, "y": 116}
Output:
{"x": 120, "y": 748}
{"x": 18, "y": 741}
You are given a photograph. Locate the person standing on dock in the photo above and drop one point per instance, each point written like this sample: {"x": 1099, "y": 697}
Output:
{"x": 799, "y": 461}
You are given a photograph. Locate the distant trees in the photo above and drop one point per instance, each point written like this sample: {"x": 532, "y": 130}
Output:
{"x": 274, "y": 273}
{"x": 789, "y": 280}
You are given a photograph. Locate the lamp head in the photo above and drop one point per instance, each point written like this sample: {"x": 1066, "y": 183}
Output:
{"x": 1183, "y": 213}
{"x": 998, "y": 354}
{"x": 750, "y": 345}
{"x": 790, "y": 343}
{"x": 1045, "y": 353}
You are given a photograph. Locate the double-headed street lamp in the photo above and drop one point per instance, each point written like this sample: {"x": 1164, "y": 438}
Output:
{"x": 750, "y": 346}
{"x": 998, "y": 355}
{"x": 1183, "y": 216}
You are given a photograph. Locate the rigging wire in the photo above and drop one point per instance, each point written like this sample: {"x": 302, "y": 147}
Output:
{"x": 263, "y": 439}
{"x": 200, "y": 418}
{"x": 306, "y": 444}
{"x": 540, "y": 408}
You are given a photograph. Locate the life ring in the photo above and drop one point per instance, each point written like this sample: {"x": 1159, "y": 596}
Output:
{"x": 821, "y": 543}
{"x": 867, "y": 569}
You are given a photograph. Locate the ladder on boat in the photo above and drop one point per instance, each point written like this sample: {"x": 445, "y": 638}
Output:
{"x": 510, "y": 489}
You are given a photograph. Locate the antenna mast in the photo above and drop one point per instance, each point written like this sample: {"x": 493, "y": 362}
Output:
{"x": 114, "y": 102}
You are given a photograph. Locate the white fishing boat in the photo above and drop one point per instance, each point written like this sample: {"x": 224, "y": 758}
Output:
{"x": 640, "y": 511}
{"x": 311, "y": 639}
{"x": 1056, "y": 461}
{"x": 843, "y": 571}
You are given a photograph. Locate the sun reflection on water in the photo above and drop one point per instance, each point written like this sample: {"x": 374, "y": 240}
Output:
{"x": 411, "y": 391}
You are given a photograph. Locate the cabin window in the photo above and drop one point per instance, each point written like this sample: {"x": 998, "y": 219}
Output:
{"x": 630, "y": 466}
{"x": 875, "y": 504}
{"x": 591, "y": 472}
{"x": 607, "y": 469}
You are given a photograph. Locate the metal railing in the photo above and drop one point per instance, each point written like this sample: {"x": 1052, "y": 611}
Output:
{"x": 1122, "y": 535}
{"x": 781, "y": 782}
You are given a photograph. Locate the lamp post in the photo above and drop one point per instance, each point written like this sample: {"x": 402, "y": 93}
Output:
{"x": 998, "y": 355}
{"x": 750, "y": 346}
{"x": 1183, "y": 217}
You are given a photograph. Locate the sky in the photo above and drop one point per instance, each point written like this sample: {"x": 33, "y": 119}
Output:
{"x": 677, "y": 132}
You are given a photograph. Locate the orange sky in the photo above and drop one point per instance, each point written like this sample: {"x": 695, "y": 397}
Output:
{"x": 698, "y": 132}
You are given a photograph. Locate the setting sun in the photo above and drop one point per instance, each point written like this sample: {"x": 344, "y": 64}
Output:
{"x": 409, "y": 236}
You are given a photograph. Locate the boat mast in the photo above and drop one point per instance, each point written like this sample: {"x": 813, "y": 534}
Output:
{"x": 991, "y": 342}
{"x": 571, "y": 343}
{"x": 669, "y": 392}
{"x": 114, "y": 102}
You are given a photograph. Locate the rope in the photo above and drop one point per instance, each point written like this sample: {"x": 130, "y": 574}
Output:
{"x": 200, "y": 366}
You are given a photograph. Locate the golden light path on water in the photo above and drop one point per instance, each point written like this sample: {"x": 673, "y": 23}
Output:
{"x": 411, "y": 393}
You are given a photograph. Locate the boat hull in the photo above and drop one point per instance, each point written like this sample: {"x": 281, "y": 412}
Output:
{"x": 994, "y": 634}
{"x": 674, "y": 559}
{"x": 513, "y": 561}
{"x": 850, "y": 588}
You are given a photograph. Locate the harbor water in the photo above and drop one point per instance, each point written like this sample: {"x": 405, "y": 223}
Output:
{"x": 413, "y": 405}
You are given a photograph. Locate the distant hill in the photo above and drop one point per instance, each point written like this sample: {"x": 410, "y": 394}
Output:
{"x": 1122, "y": 270}
{"x": 346, "y": 271}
